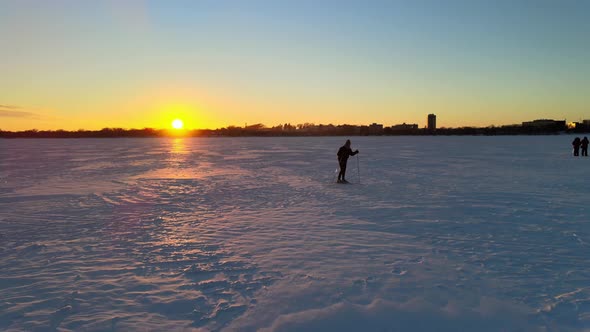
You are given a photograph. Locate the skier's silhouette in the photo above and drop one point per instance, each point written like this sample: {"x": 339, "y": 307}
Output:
{"x": 343, "y": 153}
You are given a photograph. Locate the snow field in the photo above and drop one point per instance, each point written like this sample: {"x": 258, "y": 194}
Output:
{"x": 442, "y": 233}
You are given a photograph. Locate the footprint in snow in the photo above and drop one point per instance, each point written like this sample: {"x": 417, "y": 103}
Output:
{"x": 417, "y": 260}
{"x": 59, "y": 315}
{"x": 398, "y": 271}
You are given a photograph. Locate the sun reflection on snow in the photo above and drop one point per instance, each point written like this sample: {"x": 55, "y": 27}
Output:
{"x": 178, "y": 146}
{"x": 185, "y": 161}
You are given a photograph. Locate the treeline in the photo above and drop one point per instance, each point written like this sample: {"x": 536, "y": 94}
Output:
{"x": 289, "y": 130}
{"x": 103, "y": 133}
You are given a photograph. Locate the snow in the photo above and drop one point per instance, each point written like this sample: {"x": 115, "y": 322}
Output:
{"x": 248, "y": 234}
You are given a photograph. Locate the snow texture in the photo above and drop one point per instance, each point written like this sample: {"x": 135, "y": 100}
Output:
{"x": 252, "y": 234}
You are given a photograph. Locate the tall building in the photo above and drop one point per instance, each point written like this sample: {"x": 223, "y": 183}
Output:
{"x": 431, "y": 122}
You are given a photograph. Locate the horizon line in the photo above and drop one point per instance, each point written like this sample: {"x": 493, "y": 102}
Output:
{"x": 264, "y": 126}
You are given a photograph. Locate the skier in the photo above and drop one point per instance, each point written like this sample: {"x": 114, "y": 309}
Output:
{"x": 584, "y": 144}
{"x": 343, "y": 153}
{"x": 576, "y": 144}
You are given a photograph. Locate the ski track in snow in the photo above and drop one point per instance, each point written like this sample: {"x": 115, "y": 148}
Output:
{"x": 228, "y": 234}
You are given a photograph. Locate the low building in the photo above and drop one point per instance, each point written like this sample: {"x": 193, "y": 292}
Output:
{"x": 404, "y": 127}
{"x": 545, "y": 124}
{"x": 375, "y": 129}
{"x": 583, "y": 126}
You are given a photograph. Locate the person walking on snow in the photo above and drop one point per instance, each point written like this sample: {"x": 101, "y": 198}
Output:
{"x": 343, "y": 153}
{"x": 576, "y": 144}
{"x": 584, "y": 144}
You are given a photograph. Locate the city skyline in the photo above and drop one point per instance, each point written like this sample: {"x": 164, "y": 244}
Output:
{"x": 534, "y": 127}
{"x": 90, "y": 65}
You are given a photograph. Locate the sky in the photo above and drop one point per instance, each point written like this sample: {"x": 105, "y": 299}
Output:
{"x": 85, "y": 64}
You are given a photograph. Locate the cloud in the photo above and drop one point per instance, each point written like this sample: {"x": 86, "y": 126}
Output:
{"x": 11, "y": 111}
{"x": 9, "y": 106}
{"x": 16, "y": 114}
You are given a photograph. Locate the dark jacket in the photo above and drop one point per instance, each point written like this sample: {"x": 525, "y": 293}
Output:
{"x": 584, "y": 143}
{"x": 344, "y": 152}
{"x": 576, "y": 143}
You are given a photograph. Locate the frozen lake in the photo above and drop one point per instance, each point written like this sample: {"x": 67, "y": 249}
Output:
{"x": 246, "y": 234}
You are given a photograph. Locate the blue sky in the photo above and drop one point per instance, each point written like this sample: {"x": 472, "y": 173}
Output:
{"x": 87, "y": 64}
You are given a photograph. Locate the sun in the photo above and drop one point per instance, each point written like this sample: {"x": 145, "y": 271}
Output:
{"x": 177, "y": 124}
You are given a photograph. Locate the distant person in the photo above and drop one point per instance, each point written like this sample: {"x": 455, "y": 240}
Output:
{"x": 584, "y": 145}
{"x": 576, "y": 144}
{"x": 343, "y": 153}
